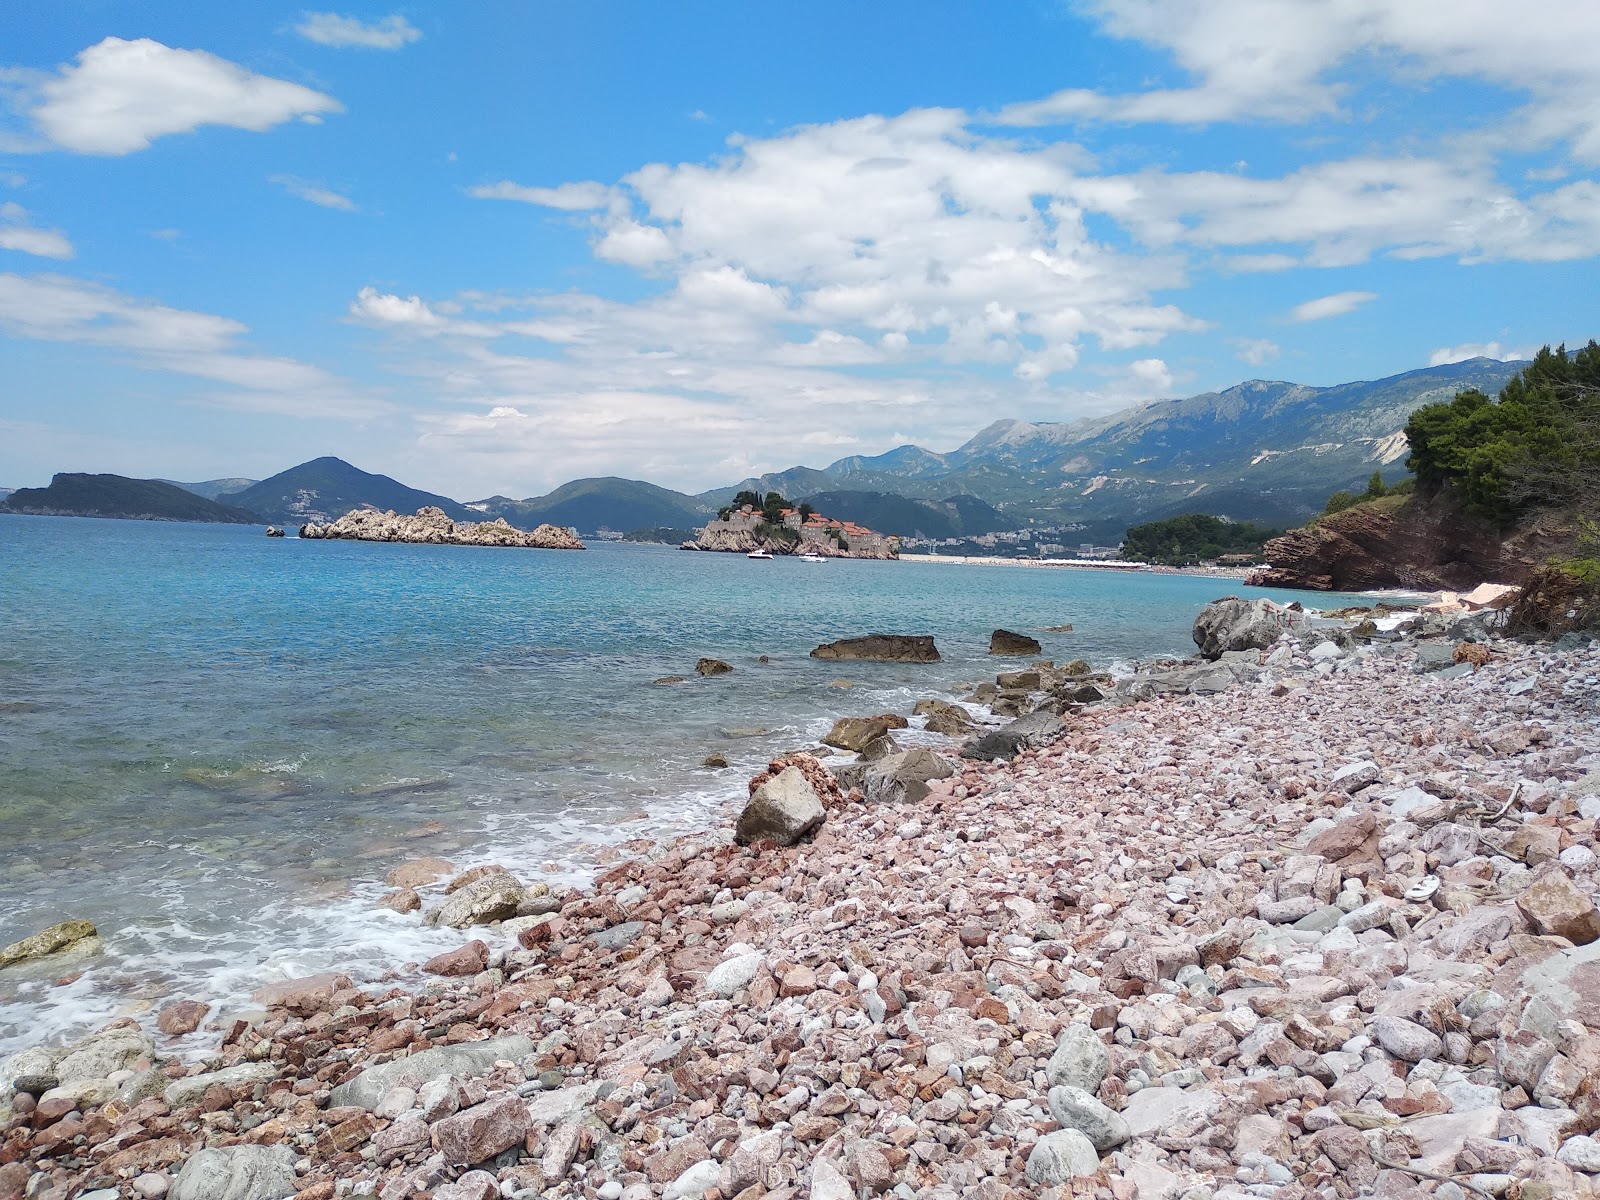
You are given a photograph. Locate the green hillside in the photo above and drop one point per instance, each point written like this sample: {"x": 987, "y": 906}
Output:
{"x": 80, "y": 495}
{"x": 884, "y": 512}
{"x": 589, "y": 505}
{"x": 214, "y": 489}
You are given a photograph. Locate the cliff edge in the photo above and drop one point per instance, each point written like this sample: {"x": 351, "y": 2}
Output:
{"x": 1424, "y": 542}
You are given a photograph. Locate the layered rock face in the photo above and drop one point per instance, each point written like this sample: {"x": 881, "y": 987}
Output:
{"x": 432, "y": 527}
{"x": 1429, "y": 544}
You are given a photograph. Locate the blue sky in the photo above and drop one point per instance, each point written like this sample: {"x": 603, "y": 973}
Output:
{"x": 492, "y": 247}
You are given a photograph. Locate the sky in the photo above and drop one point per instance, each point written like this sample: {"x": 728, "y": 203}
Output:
{"x": 487, "y": 248}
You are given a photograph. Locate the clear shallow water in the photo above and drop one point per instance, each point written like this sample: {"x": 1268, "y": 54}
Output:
{"x": 214, "y": 744}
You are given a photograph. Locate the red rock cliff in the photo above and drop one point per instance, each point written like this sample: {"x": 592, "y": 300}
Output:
{"x": 1423, "y": 542}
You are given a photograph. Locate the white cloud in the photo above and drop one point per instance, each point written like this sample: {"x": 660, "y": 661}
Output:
{"x": 325, "y": 197}
{"x": 122, "y": 94}
{"x": 18, "y": 232}
{"x": 1151, "y": 375}
{"x": 574, "y": 197}
{"x": 1336, "y": 305}
{"x": 331, "y": 29}
{"x": 1290, "y": 60}
{"x": 1342, "y": 212}
{"x": 1255, "y": 351}
{"x": 1453, "y": 354}
{"x": 201, "y": 345}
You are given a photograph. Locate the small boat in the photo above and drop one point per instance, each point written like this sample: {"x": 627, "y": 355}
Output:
{"x": 813, "y": 558}
{"x": 760, "y": 553}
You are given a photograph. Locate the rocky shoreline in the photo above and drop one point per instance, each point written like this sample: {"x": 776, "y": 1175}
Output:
{"x": 1312, "y": 916}
{"x": 432, "y": 527}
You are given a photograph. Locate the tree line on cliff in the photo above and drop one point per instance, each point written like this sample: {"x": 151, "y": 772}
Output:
{"x": 1534, "y": 447}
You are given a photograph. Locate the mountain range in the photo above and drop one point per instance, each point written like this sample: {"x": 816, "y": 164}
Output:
{"x": 79, "y": 495}
{"x": 1264, "y": 451}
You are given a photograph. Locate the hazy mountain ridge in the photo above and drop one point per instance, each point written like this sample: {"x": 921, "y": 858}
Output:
{"x": 77, "y": 494}
{"x": 1263, "y": 449}
{"x": 606, "y": 502}
{"x": 214, "y": 489}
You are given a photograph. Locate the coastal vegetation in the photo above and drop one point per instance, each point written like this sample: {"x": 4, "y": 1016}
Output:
{"x": 1534, "y": 447}
{"x": 81, "y": 495}
{"x": 1191, "y": 538}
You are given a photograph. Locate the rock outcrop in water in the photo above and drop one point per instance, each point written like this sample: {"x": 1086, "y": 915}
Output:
{"x": 748, "y": 529}
{"x": 881, "y": 647}
{"x": 432, "y": 527}
{"x": 66, "y": 935}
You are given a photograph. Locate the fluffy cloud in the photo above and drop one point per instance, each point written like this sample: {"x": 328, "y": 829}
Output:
{"x": 310, "y": 192}
{"x": 1336, "y": 305}
{"x": 18, "y": 232}
{"x": 200, "y": 345}
{"x": 331, "y": 29}
{"x": 1453, "y": 354}
{"x": 122, "y": 94}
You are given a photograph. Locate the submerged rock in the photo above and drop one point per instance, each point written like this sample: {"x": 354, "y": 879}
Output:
{"x": 1003, "y": 641}
{"x": 63, "y": 936}
{"x": 881, "y": 647}
{"x": 712, "y": 666}
{"x": 491, "y": 898}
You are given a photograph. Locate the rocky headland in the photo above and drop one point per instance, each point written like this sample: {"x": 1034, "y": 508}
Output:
{"x": 1421, "y": 543}
{"x": 1311, "y": 916}
{"x": 745, "y": 529}
{"x": 432, "y": 527}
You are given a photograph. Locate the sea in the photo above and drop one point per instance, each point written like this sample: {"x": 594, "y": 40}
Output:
{"x": 214, "y": 745}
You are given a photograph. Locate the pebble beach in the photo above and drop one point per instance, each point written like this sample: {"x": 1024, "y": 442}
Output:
{"x": 1325, "y": 928}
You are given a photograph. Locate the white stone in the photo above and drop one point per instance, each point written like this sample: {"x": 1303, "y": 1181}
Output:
{"x": 1581, "y": 1153}
{"x": 729, "y": 976}
{"x": 694, "y": 1182}
{"x": 1061, "y": 1157}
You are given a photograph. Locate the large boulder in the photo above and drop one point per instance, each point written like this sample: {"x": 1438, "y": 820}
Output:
{"x": 494, "y": 897}
{"x": 1235, "y": 624}
{"x": 59, "y": 937}
{"x": 1035, "y": 729}
{"x": 881, "y": 647}
{"x": 785, "y": 808}
{"x": 237, "y": 1173}
{"x": 903, "y": 778}
{"x": 944, "y": 717}
{"x": 857, "y": 733}
{"x": 1003, "y": 641}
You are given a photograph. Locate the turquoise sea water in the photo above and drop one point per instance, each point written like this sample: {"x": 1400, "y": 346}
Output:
{"x": 214, "y": 744}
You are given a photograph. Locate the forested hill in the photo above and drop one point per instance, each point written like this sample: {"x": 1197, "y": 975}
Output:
{"x": 80, "y": 495}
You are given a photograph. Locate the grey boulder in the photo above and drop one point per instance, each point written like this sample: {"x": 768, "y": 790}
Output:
{"x": 492, "y": 898}
{"x": 903, "y": 778}
{"x": 469, "y": 1058}
{"x": 1235, "y": 624}
{"x": 1061, "y": 1157}
{"x": 785, "y": 809}
{"x": 1081, "y": 1059}
{"x": 1075, "y": 1108}
{"x": 1036, "y": 729}
{"x": 237, "y": 1173}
